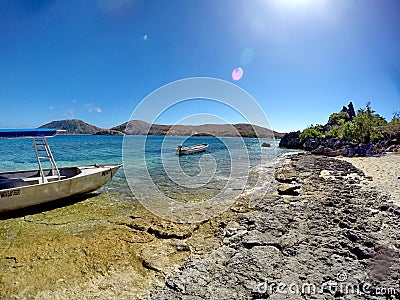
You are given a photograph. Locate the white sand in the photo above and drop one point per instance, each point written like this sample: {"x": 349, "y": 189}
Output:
{"x": 385, "y": 171}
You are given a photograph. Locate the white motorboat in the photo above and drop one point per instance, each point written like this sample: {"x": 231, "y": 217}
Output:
{"x": 191, "y": 149}
{"x": 26, "y": 188}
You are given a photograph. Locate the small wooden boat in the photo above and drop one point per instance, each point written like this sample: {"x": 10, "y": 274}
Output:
{"x": 26, "y": 188}
{"x": 191, "y": 149}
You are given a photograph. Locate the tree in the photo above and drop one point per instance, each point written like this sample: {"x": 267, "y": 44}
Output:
{"x": 396, "y": 116}
{"x": 392, "y": 130}
{"x": 366, "y": 126}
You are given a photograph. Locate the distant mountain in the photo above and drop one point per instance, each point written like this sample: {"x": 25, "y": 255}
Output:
{"x": 137, "y": 127}
{"x": 73, "y": 127}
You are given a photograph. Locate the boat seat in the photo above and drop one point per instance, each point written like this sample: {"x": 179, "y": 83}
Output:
{"x": 49, "y": 178}
{"x": 14, "y": 183}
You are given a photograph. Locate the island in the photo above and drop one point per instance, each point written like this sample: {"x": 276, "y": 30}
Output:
{"x": 138, "y": 127}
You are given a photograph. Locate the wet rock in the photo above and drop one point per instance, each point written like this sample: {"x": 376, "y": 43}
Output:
{"x": 265, "y": 144}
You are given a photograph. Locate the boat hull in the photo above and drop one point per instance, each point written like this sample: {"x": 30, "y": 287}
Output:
{"x": 89, "y": 179}
{"x": 191, "y": 149}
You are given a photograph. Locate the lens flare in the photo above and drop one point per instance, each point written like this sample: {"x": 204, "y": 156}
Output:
{"x": 237, "y": 74}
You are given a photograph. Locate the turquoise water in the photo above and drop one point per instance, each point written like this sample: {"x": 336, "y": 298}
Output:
{"x": 165, "y": 168}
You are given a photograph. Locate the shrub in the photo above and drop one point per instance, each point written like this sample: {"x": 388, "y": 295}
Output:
{"x": 365, "y": 127}
{"x": 392, "y": 129}
{"x": 338, "y": 118}
{"x": 311, "y": 132}
{"x": 335, "y": 132}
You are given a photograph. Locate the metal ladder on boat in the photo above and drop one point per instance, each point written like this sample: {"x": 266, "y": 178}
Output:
{"x": 43, "y": 152}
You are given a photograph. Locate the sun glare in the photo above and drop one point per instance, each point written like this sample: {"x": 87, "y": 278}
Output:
{"x": 316, "y": 6}
{"x": 296, "y": 4}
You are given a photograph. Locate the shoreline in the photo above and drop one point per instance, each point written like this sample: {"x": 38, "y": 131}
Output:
{"x": 318, "y": 222}
{"x": 384, "y": 171}
{"x": 334, "y": 232}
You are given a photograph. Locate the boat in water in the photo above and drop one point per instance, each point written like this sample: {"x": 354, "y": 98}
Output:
{"x": 191, "y": 149}
{"x": 26, "y": 188}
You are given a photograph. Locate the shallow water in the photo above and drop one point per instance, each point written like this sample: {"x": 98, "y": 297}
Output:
{"x": 188, "y": 178}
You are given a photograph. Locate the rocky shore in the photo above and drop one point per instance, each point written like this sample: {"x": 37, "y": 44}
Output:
{"x": 349, "y": 134}
{"x": 335, "y": 238}
{"x": 339, "y": 146}
{"x": 324, "y": 233}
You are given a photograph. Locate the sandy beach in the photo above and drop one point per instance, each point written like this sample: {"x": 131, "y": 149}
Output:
{"x": 384, "y": 170}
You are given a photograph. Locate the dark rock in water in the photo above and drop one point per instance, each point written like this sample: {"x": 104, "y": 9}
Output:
{"x": 265, "y": 144}
{"x": 291, "y": 140}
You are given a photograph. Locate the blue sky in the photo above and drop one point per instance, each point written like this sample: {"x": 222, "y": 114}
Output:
{"x": 96, "y": 60}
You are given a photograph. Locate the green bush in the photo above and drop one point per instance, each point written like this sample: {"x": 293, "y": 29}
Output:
{"x": 365, "y": 127}
{"x": 311, "y": 132}
{"x": 338, "y": 118}
{"x": 392, "y": 129}
{"x": 335, "y": 132}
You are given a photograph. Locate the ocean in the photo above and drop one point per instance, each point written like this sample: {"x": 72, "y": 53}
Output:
{"x": 150, "y": 162}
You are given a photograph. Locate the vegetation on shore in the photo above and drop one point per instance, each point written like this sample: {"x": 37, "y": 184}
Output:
{"x": 363, "y": 127}
{"x": 348, "y": 133}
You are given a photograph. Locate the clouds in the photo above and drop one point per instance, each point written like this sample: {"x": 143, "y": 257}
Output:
{"x": 69, "y": 113}
{"x": 73, "y": 109}
{"x": 90, "y": 107}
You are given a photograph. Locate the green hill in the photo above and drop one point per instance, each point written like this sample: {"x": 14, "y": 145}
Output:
{"x": 73, "y": 127}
